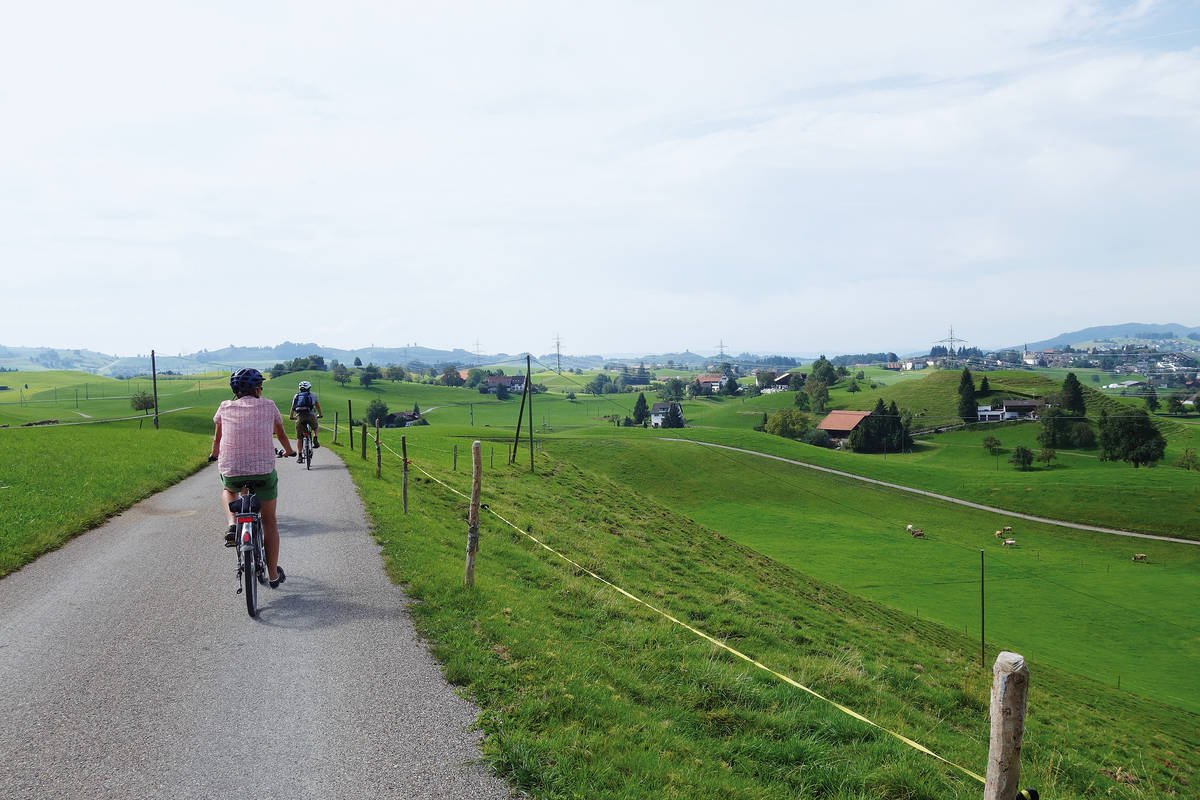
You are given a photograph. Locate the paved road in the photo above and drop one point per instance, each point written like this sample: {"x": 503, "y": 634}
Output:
{"x": 947, "y": 498}
{"x": 130, "y": 669}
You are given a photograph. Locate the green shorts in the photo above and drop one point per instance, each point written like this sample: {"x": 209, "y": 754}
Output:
{"x": 265, "y": 487}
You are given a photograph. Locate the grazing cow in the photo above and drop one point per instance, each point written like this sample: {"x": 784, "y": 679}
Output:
{"x": 1139, "y": 556}
{"x": 1010, "y": 542}
{"x": 1008, "y": 528}
{"x": 918, "y": 533}
{"x": 909, "y": 527}
{"x": 999, "y": 534}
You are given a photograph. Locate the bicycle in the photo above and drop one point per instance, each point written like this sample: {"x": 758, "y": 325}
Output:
{"x": 305, "y": 446}
{"x": 248, "y": 543}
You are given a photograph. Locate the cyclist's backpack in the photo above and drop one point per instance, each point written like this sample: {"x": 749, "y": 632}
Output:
{"x": 303, "y": 402}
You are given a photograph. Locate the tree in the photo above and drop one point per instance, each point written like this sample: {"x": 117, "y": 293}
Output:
{"x": 369, "y": 375}
{"x": 597, "y": 384}
{"x": 450, "y": 376}
{"x": 984, "y": 386}
{"x": 801, "y": 401}
{"x": 788, "y": 423}
{"x": 672, "y": 390}
{"x": 674, "y": 417}
{"x": 377, "y": 412}
{"x": 823, "y": 371}
{"x": 968, "y": 410}
{"x": 502, "y": 391}
{"x": 571, "y": 396}
{"x": 641, "y": 411}
{"x": 730, "y": 387}
{"x": 396, "y": 373}
{"x": 1047, "y": 455}
{"x": 1082, "y": 436}
{"x": 853, "y": 386}
{"x": 991, "y": 444}
{"x": 1175, "y": 405}
{"x": 818, "y": 395}
{"x": 142, "y": 401}
{"x": 416, "y": 410}
{"x": 1022, "y": 457}
{"x": 817, "y": 437}
{"x": 1188, "y": 460}
{"x": 341, "y": 374}
{"x": 1131, "y": 437}
{"x": 1072, "y": 395}
{"x": 1151, "y": 399}
{"x": 357, "y": 361}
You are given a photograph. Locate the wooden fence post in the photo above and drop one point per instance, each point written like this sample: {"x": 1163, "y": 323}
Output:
{"x": 364, "y": 441}
{"x": 473, "y": 514}
{"x": 455, "y": 458}
{"x": 378, "y": 452}
{"x": 404, "y": 458}
{"x": 1010, "y": 687}
{"x": 350, "y": 421}
{"x": 335, "y": 426}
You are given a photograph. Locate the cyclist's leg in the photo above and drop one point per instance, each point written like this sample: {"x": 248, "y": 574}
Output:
{"x": 270, "y": 525}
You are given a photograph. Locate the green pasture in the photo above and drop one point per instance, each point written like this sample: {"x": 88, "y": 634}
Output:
{"x": 587, "y": 693}
{"x": 1074, "y": 598}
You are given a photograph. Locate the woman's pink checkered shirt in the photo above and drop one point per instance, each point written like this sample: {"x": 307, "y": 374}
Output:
{"x": 247, "y": 425}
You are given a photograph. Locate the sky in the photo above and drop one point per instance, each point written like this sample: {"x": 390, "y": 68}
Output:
{"x": 628, "y": 177}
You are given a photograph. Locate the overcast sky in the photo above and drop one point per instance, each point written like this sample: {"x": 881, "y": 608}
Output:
{"x": 631, "y": 176}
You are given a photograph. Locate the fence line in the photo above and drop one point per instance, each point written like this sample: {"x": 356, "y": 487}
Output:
{"x": 781, "y": 676}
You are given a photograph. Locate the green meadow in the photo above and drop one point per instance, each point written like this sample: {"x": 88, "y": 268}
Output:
{"x": 588, "y": 693}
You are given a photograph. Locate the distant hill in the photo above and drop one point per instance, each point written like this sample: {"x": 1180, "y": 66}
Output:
{"x": 1127, "y": 333}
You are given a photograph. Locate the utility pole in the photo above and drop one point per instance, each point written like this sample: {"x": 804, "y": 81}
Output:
{"x": 153, "y": 377}
{"x": 950, "y": 340}
{"x": 558, "y": 351}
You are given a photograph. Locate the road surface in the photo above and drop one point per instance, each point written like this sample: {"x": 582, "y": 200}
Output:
{"x": 130, "y": 669}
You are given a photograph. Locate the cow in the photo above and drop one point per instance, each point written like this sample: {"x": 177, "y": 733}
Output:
{"x": 1010, "y": 542}
{"x": 1008, "y": 528}
{"x": 999, "y": 534}
{"x": 1139, "y": 556}
{"x": 909, "y": 527}
{"x": 917, "y": 533}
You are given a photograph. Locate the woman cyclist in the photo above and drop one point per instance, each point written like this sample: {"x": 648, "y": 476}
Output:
{"x": 306, "y": 409}
{"x": 244, "y": 453}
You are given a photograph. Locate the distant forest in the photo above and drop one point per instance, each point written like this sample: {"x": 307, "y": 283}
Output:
{"x": 863, "y": 358}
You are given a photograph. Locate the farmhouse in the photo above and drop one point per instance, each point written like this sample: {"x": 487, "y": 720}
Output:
{"x": 712, "y": 381}
{"x": 514, "y": 383}
{"x": 401, "y": 419}
{"x": 838, "y": 424}
{"x": 784, "y": 381}
{"x": 659, "y": 411}
{"x": 1021, "y": 409}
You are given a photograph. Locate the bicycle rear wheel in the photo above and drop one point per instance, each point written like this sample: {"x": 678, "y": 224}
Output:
{"x": 308, "y": 451}
{"x": 249, "y": 582}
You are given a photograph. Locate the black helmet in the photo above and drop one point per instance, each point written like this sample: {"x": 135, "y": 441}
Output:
{"x": 245, "y": 380}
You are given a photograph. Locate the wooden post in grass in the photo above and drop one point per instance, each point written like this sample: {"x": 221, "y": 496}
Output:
{"x": 378, "y": 452}
{"x": 1010, "y": 687}
{"x": 364, "y": 441}
{"x": 335, "y": 426}
{"x": 473, "y": 514}
{"x": 455, "y": 468}
{"x": 404, "y": 458}
{"x": 350, "y": 421}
